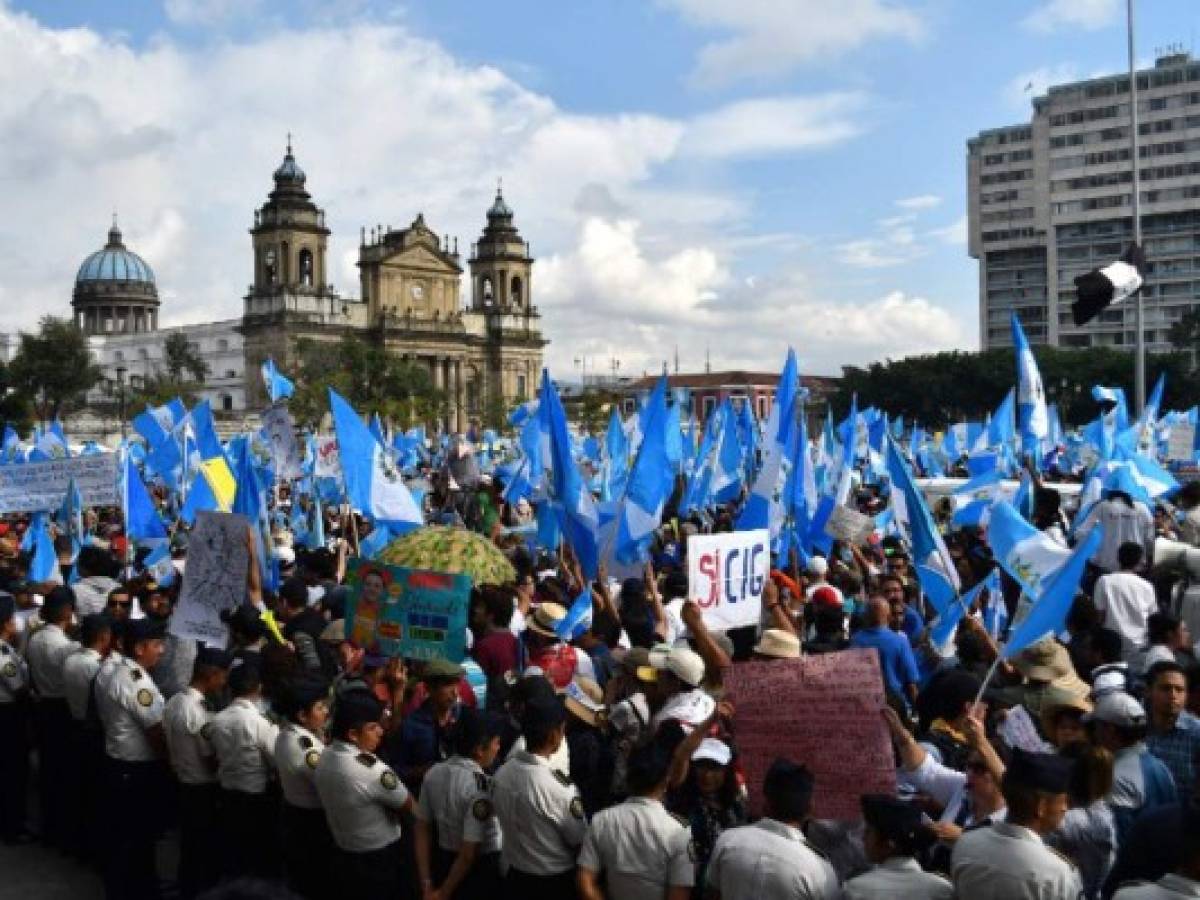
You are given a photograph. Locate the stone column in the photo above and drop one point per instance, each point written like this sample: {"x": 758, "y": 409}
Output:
{"x": 459, "y": 400}
{"x": 439, "y": 381}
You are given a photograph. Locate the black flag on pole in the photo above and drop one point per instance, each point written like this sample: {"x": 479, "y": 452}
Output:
{"x": 1101, "y": 288}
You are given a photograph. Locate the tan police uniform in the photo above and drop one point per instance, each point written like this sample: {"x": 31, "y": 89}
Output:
{"x": 244, "y": 741}
{"x": 79, "y": 671}
{"x": 456, "y": 801}
{"x": 46, "y": 653}
{"x": 307, "y": 843}
{"x": 14, "y": 745}
{"x": 1010, "y": 862}
{"x": 640, "y": 848}
{"x": 769, "y": 859}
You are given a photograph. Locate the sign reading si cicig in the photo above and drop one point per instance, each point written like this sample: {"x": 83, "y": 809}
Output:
{"x": 726, "y": 575}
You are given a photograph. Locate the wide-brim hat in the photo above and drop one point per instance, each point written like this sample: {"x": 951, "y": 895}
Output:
{"x": 779, "y": 644}
{"x": 545, "y": 618}
{"x": 584, "y": 699}
{"x": 1047, "y": 660}
{"x": 1057, "y": 699}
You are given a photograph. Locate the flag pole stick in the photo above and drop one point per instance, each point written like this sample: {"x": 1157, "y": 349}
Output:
{"x": 1139, "y": 371}
{"x": 988, "y": 678}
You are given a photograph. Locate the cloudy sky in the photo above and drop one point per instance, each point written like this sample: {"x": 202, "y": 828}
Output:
{"x": 737, "y": 175}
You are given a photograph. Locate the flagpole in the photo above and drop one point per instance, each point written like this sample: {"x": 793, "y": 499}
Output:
{"x": 1139, "y": 371}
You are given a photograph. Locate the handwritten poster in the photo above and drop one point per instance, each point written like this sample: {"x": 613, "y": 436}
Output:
{"x": 726, "y": 574}
{"x": 218, "y": 563}
{"x": 328, "y": 463}
{"x": 849, "y": 525}
{"x": 819, "y": 711}
{"x": 412, "y": 613}
{"x": 30, "y": 487}
{"x": 285, "y": 449}
{"x": 1181, "y": 444}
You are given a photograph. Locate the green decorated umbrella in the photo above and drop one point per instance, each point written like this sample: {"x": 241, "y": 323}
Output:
{"x": 442, "y": 549}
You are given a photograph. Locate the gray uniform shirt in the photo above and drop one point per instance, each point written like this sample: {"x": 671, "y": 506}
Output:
{"x": 361, "y": 796}
{"x": 79, "y": 671}
{"x": 1169, "y": 887}
{"x": 769, "y": 859}
{"x": 1010, "y": 862}
{"x": 129, "y": 704}
{"x": 48, "y": 649}
{"x": 456, "y": 798}
{"x": 186, "y": 726}
{"x": 14, "y": 674}
{"x": 297, "y": 754}
{"x": 541, "y": 814}
{"x": 641, "y": 848}
{"x": 900, "y": 876}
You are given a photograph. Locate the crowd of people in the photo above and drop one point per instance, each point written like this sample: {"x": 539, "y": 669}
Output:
{"x": 297, "y": 762}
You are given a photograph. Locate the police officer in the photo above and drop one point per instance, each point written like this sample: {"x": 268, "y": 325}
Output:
{"x": 304, "y": 832}
{"x": 244, "y": 742}
{"x": 772, "y": 857}
{"x": 1184, "y": 881}
{"x": 87, "y": 736}
{"x": 540, "y": 811}
{"x": 1008, "y": 859}
{"x": 363, "y": 798}
{"x": 458, "y": 837}
{"x": 14, "y": 726}
{"x": 894, "y": 835}
{"x": 131, "y": 709}
{"x": 47, "y": 651}
{"x": 642, "y": 851}
{"x": 186, "y": 724}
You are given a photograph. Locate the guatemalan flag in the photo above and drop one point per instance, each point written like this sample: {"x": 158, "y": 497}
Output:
{"x": 927, "y": 545}
{"x": 764, "y": 506}
{"x": 650, "y": 482}
{"x": 373, "y": 484}
{"x": 1028, "y": 555}
{"x": 1032, "y": 415}
{"x": 279, "y": 387}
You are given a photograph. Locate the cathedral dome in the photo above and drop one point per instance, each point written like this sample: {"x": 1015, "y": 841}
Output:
{"x": 500, "y": 209}
{"x": 289, "y": 169}
{"x": 113, "y": 263}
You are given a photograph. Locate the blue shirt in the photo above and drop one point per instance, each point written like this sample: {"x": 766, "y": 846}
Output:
{"x": 895, "y": 657}
{"x": 1179, "y": 749}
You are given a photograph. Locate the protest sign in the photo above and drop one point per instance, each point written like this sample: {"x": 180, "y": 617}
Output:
{"x": 218, "y": 563}
{"x": 407, "y": 612}
{"x": 1181, "y": 443}
{"x": 820, "y": 711}
{"x": 849, "y": 525}
{"x": 30, "y": 487}
{"x": 285, "y": 450}
{"x": 726, "y": 574}
{"x": 328, "y": 464}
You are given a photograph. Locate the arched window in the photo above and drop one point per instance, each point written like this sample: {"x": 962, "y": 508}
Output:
{"x": 515, "y": 290}
{"x": 486, "y": 288}
{"x": 226, "y": 403}
{"x": 306, "y": 267}
{"x": 119, "y": 356}
{"x": 223, "y": 344}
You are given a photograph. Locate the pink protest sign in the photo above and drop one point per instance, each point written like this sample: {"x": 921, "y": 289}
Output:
{"x": 820, "y": 711}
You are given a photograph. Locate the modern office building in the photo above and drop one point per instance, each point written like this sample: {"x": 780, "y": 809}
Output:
{"x": 1051, "y": 199}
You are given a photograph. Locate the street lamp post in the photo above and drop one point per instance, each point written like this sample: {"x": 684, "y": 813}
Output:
{"x": 1139, "y": 366}
{"x": 121, "y": 398}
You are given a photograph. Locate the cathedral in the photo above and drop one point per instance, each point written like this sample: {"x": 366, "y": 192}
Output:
{"x": 484, "y": 352}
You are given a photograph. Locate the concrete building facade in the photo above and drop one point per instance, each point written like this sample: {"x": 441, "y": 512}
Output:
{"x": 1051, "y": 199}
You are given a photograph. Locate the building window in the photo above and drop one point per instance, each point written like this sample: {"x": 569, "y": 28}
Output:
{"x": 708, "y": 405}
{"x": 515, "y": 290}
{"x": 143, "y": 353}
{"x": 761, "y": 405}
{"x": 119, "y": 356}
{"x": 223, "y": 345}
{"x": 230, "y": 373}
{"x": 306, "y": 267}
{"x": 486, "y": 290}
{"x": 226, "y": 403}
{"x": 521, "y": 386}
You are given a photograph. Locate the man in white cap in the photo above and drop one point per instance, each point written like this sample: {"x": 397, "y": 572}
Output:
{"x": 816, "y": 573}
{"x": 1140, "y": 779}
{"x": 678, "y": 672}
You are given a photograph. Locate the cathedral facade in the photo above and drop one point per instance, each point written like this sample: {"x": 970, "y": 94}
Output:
{"x": 483, "y": 350}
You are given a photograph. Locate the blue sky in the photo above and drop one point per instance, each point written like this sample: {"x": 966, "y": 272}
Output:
{"x": 730, "y": 174}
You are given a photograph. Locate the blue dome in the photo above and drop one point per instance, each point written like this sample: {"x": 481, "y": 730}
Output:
{"x": 289, "y": 169}
{"x": 499, "y": 208}
{"x": 115, "y": 263}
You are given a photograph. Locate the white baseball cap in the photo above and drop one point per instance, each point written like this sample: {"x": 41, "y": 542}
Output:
{"x": 714, "y": 751}
{"x": 686, "y": 664}
{"x": 1117, "y": 708}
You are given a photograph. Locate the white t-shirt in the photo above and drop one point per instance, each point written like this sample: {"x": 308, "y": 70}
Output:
{"x": 1127, "y": 601}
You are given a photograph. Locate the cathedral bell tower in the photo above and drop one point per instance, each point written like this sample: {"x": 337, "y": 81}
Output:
{"x": 501, "y": 264}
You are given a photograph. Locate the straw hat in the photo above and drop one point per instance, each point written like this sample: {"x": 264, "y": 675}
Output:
{"x": 584, "y": 699}
{"x": 778, "y": 644}
{"x": 545, "y": 618}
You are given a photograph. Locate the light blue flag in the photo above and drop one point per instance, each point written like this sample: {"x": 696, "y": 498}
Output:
{"x": 726, "y": 482}
{"x": 372, "y": 545}
{"x": 249, "y": 501}
{"x": 523, "y": 413}
{"x": 578, "y": 618}
{"x": 912, "y": 513}
{"x": 1051, "y": 605}
{"x": 995, "y": 611}
{"x": 581, "y": 519}
{"x": 947, "y": 621}
{"x": 764, "y": 506}
{"x": 615, "y": 463}
{"x": 278, "y": 386}
{"x": 373, "y": 484}
{"x": 650, "y": 481}
{"x": 937, "y": 588}
{"x": 159, "y": 567}
{"x": 1033, "y": 416}
{"x": 44, "y": 564}
{"x": 1000, "y": 430}
{"x": 142, "y": 522}
{"x": 974, "y": 500}
{"x": 1028, "y": 555}
{"x": 673, "y": 438}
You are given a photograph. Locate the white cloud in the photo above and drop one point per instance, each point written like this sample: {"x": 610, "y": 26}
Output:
{"x": 1021, "y": 89}
{"x": 1089, "y": 15}
{"x": 769, "y": 125}
{"x": 767, "y": 38}
{"x": 955, "y": 233}
{"x": 209, "y": 12}
{"x": 897, "y": 244}
{"x": 182, "y": 140}
{"x": 919, "y": 202}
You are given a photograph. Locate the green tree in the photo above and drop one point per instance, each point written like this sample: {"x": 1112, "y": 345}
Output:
{"x": 593, "y": 411}
{"x": 181, "y": 359}
{"x": 1185, "y": 334}
{"x": 53, "y": 369}
{"x": 368, "y": 376}
{"x": 14, "y": 404}
{"x": 938, "y": 388}
{"x": 182, "y": 374}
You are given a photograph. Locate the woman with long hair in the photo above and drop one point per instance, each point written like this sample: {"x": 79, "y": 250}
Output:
{"x": 1088, "y": 833}
{"x": 711, "y": 800}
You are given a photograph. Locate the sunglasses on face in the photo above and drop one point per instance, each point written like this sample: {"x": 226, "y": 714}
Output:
{"x": 120, "y": 603}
